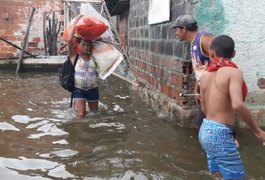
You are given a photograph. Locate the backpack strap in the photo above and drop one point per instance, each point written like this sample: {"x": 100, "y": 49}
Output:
{"x": 76, "y": 58}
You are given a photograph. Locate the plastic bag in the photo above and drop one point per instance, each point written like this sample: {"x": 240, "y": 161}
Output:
{"x": 90, "y": 28}
{"x": 107, "y": 58}
{"x": 87, "y": 28}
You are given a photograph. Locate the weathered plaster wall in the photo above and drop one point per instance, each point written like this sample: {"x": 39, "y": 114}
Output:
{"x": 244, "y": 22}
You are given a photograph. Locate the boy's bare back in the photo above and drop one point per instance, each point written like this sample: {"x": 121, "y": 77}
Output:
{"x": 220, "y": 91}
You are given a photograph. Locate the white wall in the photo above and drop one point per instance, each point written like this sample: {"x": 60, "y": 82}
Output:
{"x": 244, "y": 21}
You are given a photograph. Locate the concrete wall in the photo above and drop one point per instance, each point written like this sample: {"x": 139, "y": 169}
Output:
{"x": 14, "y": 17}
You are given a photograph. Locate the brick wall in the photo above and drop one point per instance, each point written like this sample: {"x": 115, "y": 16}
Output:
{"x": 14, "y": 16}
{"x": 160, "y": 62}
{"x": 123, "y": 28}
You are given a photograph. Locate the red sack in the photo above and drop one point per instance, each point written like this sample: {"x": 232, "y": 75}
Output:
{"x": 90, "y": 28}
{"x": 65, "y": 37}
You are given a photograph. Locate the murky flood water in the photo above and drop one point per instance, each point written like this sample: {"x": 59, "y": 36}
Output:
{"x": 40, "y": 138}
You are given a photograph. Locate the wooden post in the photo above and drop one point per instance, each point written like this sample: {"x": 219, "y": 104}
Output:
{"x": 44, "y": 33}
{"x": 25, "y": 41}
{"x": 52, "y": 33}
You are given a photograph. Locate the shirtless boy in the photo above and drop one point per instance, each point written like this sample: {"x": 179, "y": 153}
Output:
{"x": 223, "y": 91}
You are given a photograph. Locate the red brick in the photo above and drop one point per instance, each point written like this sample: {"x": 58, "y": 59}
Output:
{"x": 6, "y": 55}
{"x": 10, "y": 9}
{"x": 176, "y": 80}
{"x": 170, "y": 64}
{"x": 11, "y": 38}
{"x": 2, "y": 8}
{"x": 165, "y": 89}
{"x": 2, "y": 31}
{"x": 175, "y": 95}
{"x": 12, "y": 26}
{"x": 4, "y": 49}
{"x": 12, "y": 49}
{"x": 3, "y": 15}
{"x": 36, "y": 39}
{"x": 10, "y": 32}
{"x": 3, "y": 21}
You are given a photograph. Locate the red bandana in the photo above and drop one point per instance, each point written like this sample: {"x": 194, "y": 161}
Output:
{"x": 217, "y": 63}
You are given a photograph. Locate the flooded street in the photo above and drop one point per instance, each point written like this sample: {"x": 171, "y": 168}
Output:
{"x": 41, "y": 139}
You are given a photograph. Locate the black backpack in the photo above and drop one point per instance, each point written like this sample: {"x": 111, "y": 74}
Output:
{"x": 66, "y": 75}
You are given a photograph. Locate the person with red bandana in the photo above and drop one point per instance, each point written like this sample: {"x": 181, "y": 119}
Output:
{"x": 223, "y": 91}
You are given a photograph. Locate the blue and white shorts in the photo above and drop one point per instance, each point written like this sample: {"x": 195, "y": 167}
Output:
{"x": 222, "y": 153}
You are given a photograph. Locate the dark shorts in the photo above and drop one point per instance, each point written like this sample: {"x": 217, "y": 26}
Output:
{"x": 91, "y": 95}
{"x": 222, "y": 154}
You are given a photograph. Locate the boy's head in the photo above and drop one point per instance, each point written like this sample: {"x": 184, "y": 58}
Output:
{"x": 222, "y": 46}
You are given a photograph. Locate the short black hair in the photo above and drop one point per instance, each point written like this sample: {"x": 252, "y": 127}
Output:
{"x": 224, "y": 46}
{"x": 78, "y": 39}
{"x": 193, "y": 27}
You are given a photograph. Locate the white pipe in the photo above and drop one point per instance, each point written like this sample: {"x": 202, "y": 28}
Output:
{"x": 119, "y": 76}
{"x": 183, "y": 94}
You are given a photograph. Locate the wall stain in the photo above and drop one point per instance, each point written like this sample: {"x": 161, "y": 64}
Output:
{"x": 211, "y": 16}
{"x": 261, "y": 83}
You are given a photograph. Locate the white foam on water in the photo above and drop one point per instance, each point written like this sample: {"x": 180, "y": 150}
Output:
{"x": 9, "y": 165}
{"x": 36, "y": 118}
{"x": 102, "y": 105}
{"x": 66, "y": 114}
{"x": 44, "y": 102}
{"x": 24, "y": 119}
{"x": 161, "y": 115}
{"x": 62, "y": 142}
{"x": 7, "y": 173}
{"x": 64, "y": 101}
{"x": 114, "y": 124}
{"x": 4, "y": 126}
{"x": 31, "y": 126}
{"x": 25, "y": 164}
{"x": 65, "y": 153}
{"x": 99, "y": 148}
{"x": 117, "y": 108}
{"x": 48, "y": 129}
{"x": 60, "y": 172}
{"x": 127, "y": 176}
{"x": 122, "y": 97}
{"x": 132, "y": 175}
{"x": 127, "y": 152}
{"x": 20, "y": 119}
{"x": 32, "y": 103}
